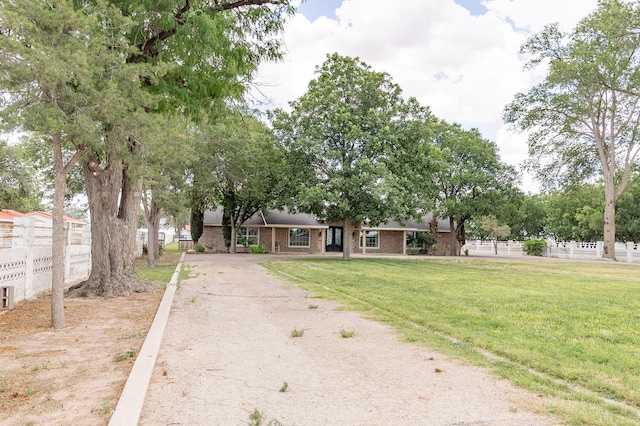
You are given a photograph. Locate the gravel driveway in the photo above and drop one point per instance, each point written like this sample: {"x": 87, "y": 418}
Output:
{"x": 228, "y": 351}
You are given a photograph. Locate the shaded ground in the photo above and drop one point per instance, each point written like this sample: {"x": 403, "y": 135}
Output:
{"x": 73, "y": 376}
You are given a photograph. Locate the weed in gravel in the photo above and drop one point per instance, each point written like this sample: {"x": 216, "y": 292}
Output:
{"x": 347, "y": 334}
{"x": 137, "y": 335}
{"x": 284, "y": 387}
{"x": 313, "y": 306}
{"x": 258, "y": 419}
{"x": 297, "y": 332}
{"x": 131, "y": 353}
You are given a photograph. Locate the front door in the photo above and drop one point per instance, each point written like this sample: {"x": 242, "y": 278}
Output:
{"x": 334, "y": 238}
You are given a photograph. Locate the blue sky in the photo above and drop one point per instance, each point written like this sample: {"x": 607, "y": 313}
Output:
{"x": 313, "y": 9}
{"x": 458, "y": 57}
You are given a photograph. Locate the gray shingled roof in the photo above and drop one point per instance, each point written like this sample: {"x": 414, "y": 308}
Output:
{"x": 274, "y": 218}
{"x": 284, "y": 219}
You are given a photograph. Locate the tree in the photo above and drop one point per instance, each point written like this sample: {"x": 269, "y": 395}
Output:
{"x": 470, "y": 181}
{"x": 165, "y": 179}
{"x": 18, "y": 185}
{"x": 340, "y": 141}
{"x": 495, "y": 230}
{"x": 184, "y": 58}
{"x": 584, "y": 118}
{"x": 528, "y": 218}
{"x": 575, "y": 213}
{"x": 628, "y": 216}
{"x": 52, "y": 58}
{"x": 242, "y": 170}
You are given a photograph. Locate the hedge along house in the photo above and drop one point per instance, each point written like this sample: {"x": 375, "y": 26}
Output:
{"x": 284, "y": 232}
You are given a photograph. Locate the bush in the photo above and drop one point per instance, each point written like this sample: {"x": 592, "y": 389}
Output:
{"x": 199, "y": 248}
{"x": 257, "y": 250}
{"x": 534, "y": 247}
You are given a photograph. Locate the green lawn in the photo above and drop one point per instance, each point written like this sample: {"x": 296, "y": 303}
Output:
{"x": 550, "y": 327}
{"x": 162, "y": 272}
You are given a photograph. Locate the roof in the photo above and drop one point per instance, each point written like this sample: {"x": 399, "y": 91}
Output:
{"x": 50, "y": 216}
{"x": 411, "y": 225}
{"x": 285, "y": 219}
{"x": 8, "y": 215}
{"x": 273, "y": 218}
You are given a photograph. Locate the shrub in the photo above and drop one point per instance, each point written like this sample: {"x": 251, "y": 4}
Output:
{"x": 199, "y": 248}
{"x": 534, "y": 247}
{"x": 257, "y": 250}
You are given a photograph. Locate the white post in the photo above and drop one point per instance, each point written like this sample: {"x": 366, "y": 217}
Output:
{"x": 599, "y": 245}
{"x": 572, "y": 246}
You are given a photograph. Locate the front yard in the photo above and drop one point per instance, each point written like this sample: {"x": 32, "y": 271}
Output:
{"x": 569, "y": 331}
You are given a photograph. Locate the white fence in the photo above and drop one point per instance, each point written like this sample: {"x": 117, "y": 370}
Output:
{"x": 625, "y": 252}
{"x": 26, "y": 256}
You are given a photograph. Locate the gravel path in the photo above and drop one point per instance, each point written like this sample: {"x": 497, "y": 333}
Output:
{"x": 228, "y": 351}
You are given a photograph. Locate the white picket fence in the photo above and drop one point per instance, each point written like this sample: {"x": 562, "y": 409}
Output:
{"x": 625, "y": 252}
{"x": 26, "y": 257}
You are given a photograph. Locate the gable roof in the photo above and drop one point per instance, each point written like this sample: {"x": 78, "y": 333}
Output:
{"x": 410, "y": 225}
{"x": 285, "y": 219}
{"x": 272, "y": 218}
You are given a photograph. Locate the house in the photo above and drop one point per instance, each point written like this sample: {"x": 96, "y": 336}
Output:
{"x": 285, "y": 232}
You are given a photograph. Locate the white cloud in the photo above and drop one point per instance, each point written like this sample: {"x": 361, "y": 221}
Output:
{"x": 466, "y": 68}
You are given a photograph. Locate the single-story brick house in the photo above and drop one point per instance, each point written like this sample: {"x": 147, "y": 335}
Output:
{"x": 284, "y": 232}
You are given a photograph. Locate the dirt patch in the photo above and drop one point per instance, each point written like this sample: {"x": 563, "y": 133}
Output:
{"x": 75, "y": 375}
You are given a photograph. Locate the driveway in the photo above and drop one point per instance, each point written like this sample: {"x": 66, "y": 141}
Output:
{"x": 228, "y": 352}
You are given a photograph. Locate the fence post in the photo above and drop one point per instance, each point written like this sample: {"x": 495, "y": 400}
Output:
{"x": 599, "y": 245}
{"x": 629, "y": 247}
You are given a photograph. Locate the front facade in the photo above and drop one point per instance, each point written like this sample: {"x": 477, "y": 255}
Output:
{"x": 284, "y": 232}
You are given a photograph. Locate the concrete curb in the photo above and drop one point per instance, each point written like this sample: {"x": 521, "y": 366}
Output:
{"x": 131, "y": 400}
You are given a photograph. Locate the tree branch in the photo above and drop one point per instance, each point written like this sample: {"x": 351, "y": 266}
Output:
{"x": 149, "y": 48}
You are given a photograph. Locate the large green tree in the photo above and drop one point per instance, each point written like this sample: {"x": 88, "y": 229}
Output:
{"x": 341, "y": 143}
{"x": 584, "y": 118}
{"x": 164, "y": 185}
{"x": 52, "y": 68}
{"x": 575, "y": 213}
{"x": 241, "y": 168}
{"x": 469, "y": 181}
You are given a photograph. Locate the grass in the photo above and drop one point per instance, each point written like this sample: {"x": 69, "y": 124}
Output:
{"x": 164, "y": 268}
{"x": 346, "y": 334}
{"x": 297, "y": 332}
{"x": 131, "y": 353}
{"x": 554, "y": 328}
{"x": 257, "y": 418}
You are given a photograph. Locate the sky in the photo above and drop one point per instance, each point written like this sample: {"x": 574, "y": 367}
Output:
{"x": 458, "y": 57}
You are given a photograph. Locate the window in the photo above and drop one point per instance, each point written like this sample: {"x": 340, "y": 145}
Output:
{"x": 247, "y": 237}
{"x": 298, "y": 237}
{"x": 373, "y": 239}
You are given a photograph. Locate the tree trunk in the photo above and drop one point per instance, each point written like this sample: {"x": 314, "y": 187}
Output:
{"x": 114, "y": 206}
{"x": 58, "y": 243}
{"x": 453, "y": 236}
{"x": 347, "y": 239}
{"x": 153, "y": 214}
{"x": 609, "y": 247}
{"x": 233, "y": 239}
